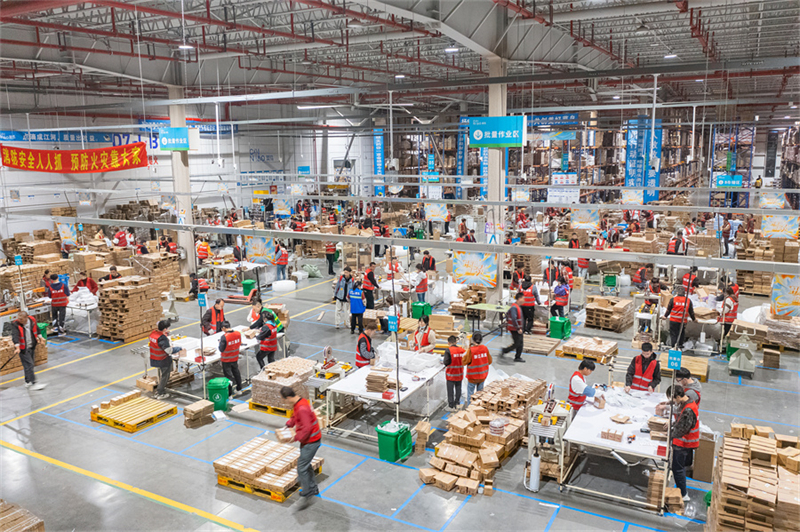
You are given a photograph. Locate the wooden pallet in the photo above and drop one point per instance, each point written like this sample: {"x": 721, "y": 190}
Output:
{"x": 605, "y": 327}
{"x": 600, "y": 359}
{"x": 774, "y": 347}
{"x": 756, "y": 294}
{"x": 274, "y": 410}
{"x": 698, "y": 366}
{"x": 176, "y": 378}
{"x": 539, "y": 345}
{"x": 261, "y": 492}
{"x": 124, "y": 339}
{"x": 136, "y": 414}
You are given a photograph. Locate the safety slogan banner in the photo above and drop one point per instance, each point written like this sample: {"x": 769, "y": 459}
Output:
{"x": 475, "y": 268}
{"x": 786, "y": 295}
{"x": 260, "y": 249}
{"x": 76, "y": 161}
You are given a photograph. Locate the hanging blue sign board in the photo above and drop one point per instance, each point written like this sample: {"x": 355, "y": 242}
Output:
{"x": 201, "y": 300}
{"x": 639, "y": 171}
{"x": 497, "y": 131}
{"x": 18, "y": 260}
{"x": 553, "y": 120}
{"x": 674, "y": 359}
{"x": 729, "y": 180}
{"x": 174, "y": 138}
{"x": 393, "y": 323}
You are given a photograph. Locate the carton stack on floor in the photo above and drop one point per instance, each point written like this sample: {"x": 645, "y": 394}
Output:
{"x": 644, "y": 244}
{"x": 13, "y": 518}
{"x": 17, "y": 279}
{"x": 672, "y": 496}
{"x": 291, "y": 371}
{"x": 11, "y": 362}
{"x": 609, "y": 313}
{"x": 782, "y": 330}
{"x": 198, "y": 414}
{"x": 707, "y": 245}
{"x": 31, "y": 250}
{"x": 594, "y": 348}
{"x": 758, "y": 283}
{"x": 86, "y": 261}
{"x": 509, "y": 397}
{"x": 162, "y": 268}
{"x": 130, "y": 307}
{"x": 263, "y": 464}
{"x": 119, "y": 257}
{"x": 469, "y": 295}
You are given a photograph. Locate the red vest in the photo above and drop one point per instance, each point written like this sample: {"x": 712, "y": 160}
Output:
{"x": 330, "y": 248}
{"x": 376, "y": 230}
{"x": 229, "y": 222}
{"x": 510, "y": 325}
{"x": 217, "y": 316}
{"x": 654, "y": 288}
{"x": 575, "y": 397}
{"x": 58, "y": 296}
{"x": 561, "y": 300}
{"x": 156, "y": 353}
{"x": 642, "y": 377}
{"x": 172, "y": 247}
{"x": 672, "y": 247}
{"x": 315, "y": 435}
{"x": 393, "y": 268}
{"x": 600, "y": 243}
{"x": 569, "y": 276}
{"x": 425, "y": 340}
{"x": 233, "y": 341}
{"x": 635, "y": 227}
{"x": 478, "y": 368}
{"x": 455, "y": 371}
{"x": 202, "y": 250}
{"x": 202, "y": 284}
{"x": 687, "y": 282}
{"x": 583, "y": 263}
{"x": 34, "y": 332}
{"x": 361, "y": 361}
{"x": 690, "y": 440}
{"x": 638, "y": 277}
{"x": 427, "y": 263}
{"x": 367, "y": 284}
{"x": 679, "y": 304}
{"x": 283, "y": 258}
{"x": 122, "y": 238}
{"x": 331, "y": 219}
{"x": 735, "y": 289}
{"x": 528, "y": 297}
{"x": 270, "y": 343}
{"x": 731, "y": 316}
{"x": 422, "y": 287}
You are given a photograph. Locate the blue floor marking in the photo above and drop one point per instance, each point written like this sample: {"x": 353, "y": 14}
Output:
{"x": 740, "y": 380}
{"x": 553, "y": 518}
{"x": 751, "y": 418}
{"x": 752, "y": 386}
{"x": 229, "y": 420}
{"x": 354, "y": 507}
{"x": 87, "y": 403}
{"x": 148, "y": 429}
{"x": 407, "y": 500}
{"x": 370, "y": 457}
{"x": 460, "y": 506}
{"x": 341, "y": 477}
{"x": 107, "y": 341}
{"x": 684, "y": 518}
{"x": 226, "y": 427}
{"x": 625, "y": 528}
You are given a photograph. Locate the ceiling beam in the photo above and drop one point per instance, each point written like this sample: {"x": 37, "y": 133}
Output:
{"x": 26, "y": 7}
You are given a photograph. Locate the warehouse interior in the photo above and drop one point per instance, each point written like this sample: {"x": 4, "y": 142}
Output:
{"x": 563, "y": 236}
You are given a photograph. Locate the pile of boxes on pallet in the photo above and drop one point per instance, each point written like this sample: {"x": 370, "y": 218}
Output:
{"x": 198, "y": 414}
{"x": 768, "y": 249}
{"x": 672, "y": 496}
{"x": 31, "y": 250}
{"x": 594, "y": 348}
{"x": 756, "y": 332}
{"x": 13, "y": 518}
{"x": 263, "y": 464}
{"x": 509, "y": 397}
{"x": 162, "y": 268}
{"x": 609, "y": 313}
{"x": 10, "y": 361}
{"x": 291, "y": 371}
{"x": 134, "y": 210}
{"x": 119, "y": 256}
{"x": 646, "y": 243}
{"x": 707, "y": 245}
{"x": 756, "y": 482}
{"x": 56, "y": 264}
{"x": 469, "y": 295}
{"x": 86, "y": 261}
{"x": 23, "y": 278}
{"x": 98, "y": 273}
{"x": 782, "y": 330}
{"x": 129, "y": 308}
{"x": 531, "y": 263}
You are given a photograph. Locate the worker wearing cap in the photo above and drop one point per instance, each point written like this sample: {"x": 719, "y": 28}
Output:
{"x": 229, "y": 344}
{"x": 644, "y": 371}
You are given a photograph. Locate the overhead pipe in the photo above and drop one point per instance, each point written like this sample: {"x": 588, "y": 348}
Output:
{"x": 69, "y": 48}
{"x": 371, "y": 18}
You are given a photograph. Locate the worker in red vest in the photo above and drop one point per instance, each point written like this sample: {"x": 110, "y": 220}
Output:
{"x": 566, "y": 273}
{"x": 675, "y": 245}
{"x": 25, "y": 336}
{"x": 634, "y": 227}
{"x": 644, "y": 371}
{"x": 197, "y": 285}
{"x": 600, "y": 243}
{"x": 214, "y": 318}
{"x": 730, "y": 310}
{"x": 470, "y": 237}
{"x": 530, "y": 298}
{"x": 583, "y": 264}
{"x": 678, "y": 310}
{"x": 578, "y": 389}
{"x": 112, "y": 274}
{"x": 364, "y": 351}
{"x": 639, "y": 279}
{"x": 477, "y": 360}
{"x": 308, "y": 434}
{"x": 516, "y": 278}
{"x": 161, "y": 352}
{"x": 420, "y": 280}
{"x": 203, "y": 249}
{"x": 656, "y": 286}
{"x": 229, "y": 344}
{"x": 46, "y": 279}
{"x": 120, "y": 238}
{"x": 574, "y": 243}
{"x": 515, "y": 323}
{"x": 691, "y": 386}
{"x": 268, "y": 338}
{"x": 551, "y": 274}
{"x": 88, "y": 282}
{"x": 332, "y": 217}
{"x": 428, "y": 262}
{"x": 424, "y": 336}
{"x": 239, "y": 253}
{"x": 330, "y": 255}
{"x": 688, "y": 280}
{"x": 453, "y": 372}
{"x": 368, "y": 285}
{"x": 560, "y": 302}
{"x": 282, "y": 261}
{"x": 685, "y": 435}
{"x": 58, "y": 292}
{"x": 172, "y": 247}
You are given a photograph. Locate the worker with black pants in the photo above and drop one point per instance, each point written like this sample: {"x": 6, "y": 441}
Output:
{"x": 229, "y": 344}
{"x": 685, "y": 435}
{"x": 678, "y": 309}
{"x": 25, "y": 335}
{"x": 516, "y": 326}
{"x": 161, "y": 352}
{"x": 530, "y": 298}
{"x": 454, "y": 372}
{"x": 644, "y": 371}
{"x": 58, "y": 292}
{"x": 268, "y": 338}
{"x": 368, "y": 285}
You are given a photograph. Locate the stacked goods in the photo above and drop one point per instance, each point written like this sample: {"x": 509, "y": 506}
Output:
{"x": 10, "y": 361}
{"x": 378, "y": 380}
{"x": 756, "y": 332}
{"x": 162, "y": 268}
{"x": 791, "y": 251}
{"x": 129, "y": 308}
{"x": 56, "y": 264}
{"x": 655, "y": 487}
{"x": 30, "y": 250}
{"x": 782, "y": 330}
{"x": 119, "y": 256}
{"x": 469, "y": 295}
{"x": 21, "y": 278}
{"x": 280, "y": 310}
{"x": 86, "y": 261}
{"x": 531, "y": 263}
{"x": 509, "y": 397}
{"x": 609, "y": 313}
{"x": 291, "y": 371}
{"x": 198, "y": 414}
{"x": 706, "y": 245}
{"x": 97, "y": 273}
{"x": 641, "y": 245}
{"x": 772, "y": 358}
{"x": 594, "y": 348}
{"x": 372, "y": 317}
{"x": 263, "y": 464}
{"x": 64, "y": 211}
{"x": 134, "y": 210}
{"x": 44, "y": 234}
{"x": 423, "y": 430}
{"x": 16, "y": 519}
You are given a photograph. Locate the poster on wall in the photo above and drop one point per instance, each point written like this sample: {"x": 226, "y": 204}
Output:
{"x": 475, "y": 268}
{"x": 780, "y": 226}
{"x": 296, "y": 189}
{"x": 281, "y": 207}
{"x": 633, "y": 197}
{"x": 75, "y": 161}
{"x": 168, "y": 202}
{"x": 771, "y": 200}
{"x": 786, "y": 295}
{"x": 521, "y": 195}
{"x": 68, "y": 234}
{"x": 260, "y": 249}
{"x": 84, "y": 198}
{"x": 435, "y": 212}
{"x": 586, "y": 219}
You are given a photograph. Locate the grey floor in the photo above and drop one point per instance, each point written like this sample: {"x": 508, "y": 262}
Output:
{"x": 80, "y": 475}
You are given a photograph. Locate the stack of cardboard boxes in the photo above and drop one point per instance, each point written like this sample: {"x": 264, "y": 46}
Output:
{"x": 782, "y": 330}
{"x": 531, "y": 263}
{"x": 97, "y": 273}
{"x": 13, "y": 518}
{"x": 509, "y": 397}
{"x": 646, "y": 243}
{"x": 198, "y": 414}
{"x": 594, "y": 348}
{"x": 10, "y": 361}
{"x": 469, "y": 295}
{"x": 86, "y": 261}
{"x": 130, "y": 308}
{"x": 31, "y": 250}
{"x": 17, "y": 279}
{"x": 609, "y": 313}
{"x": 707, "y": 245}
{"x": 162, "y": 268}
{"x": 758, "y": 283}
{"x": 291, "y": 371}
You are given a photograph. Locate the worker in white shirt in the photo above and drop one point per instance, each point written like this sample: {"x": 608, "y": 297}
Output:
{"x": 420, "y": 283}
{"x": 579, "y": 391}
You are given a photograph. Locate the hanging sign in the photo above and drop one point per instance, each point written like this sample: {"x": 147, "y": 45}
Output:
{"x": 674, "y": 359}
{"x": 174, "y": 138}
{"x": 550, "y": 120}
{"x": 786, "y": 295}
{"x": 564, "y": 162}
{"x": 729, "y": 180}
{"x": 84, "y": 198}
{"x": 497, "y": 131}
{"x": 14, "y": 195}
{"x": 640, "y": 170}
{"x": 461, "y": 146}
{"x": 18, "y": 260}
{"x": 730, "y": 162}
{"x": 76, "y": 161}
{"x": 551, "y": 135}
{"x": 201, "y": 299}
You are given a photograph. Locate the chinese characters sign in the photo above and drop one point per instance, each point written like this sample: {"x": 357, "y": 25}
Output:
{"x": 75, "y": 161}
{"x": 549, "y": 120}
{"x": 497, "y": 131}
{"x": 639, "y": 170}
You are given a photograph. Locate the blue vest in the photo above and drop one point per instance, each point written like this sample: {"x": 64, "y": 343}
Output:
{"x": 356, "y": 303}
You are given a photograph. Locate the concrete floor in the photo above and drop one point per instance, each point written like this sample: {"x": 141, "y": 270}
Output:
{"x": 80, "y": 475}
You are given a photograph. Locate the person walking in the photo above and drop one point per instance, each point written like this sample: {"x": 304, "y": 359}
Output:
{"x": 340, "y": 294}
{"x": 530, "y": 298}
{"x": 25, "y": 336}
{"x": 357, "y": 308}
{"x": 477, "y": 360}
{"x": 308, "y": 434}
{"x": 229, "y": 344}
{"x": 268, "y": 343}
{"x": 453, "y": 372}
{"x": 58, "y": 292}
{"x": 161, "y": 352}
{"x": 515, "y": 323}
{"x": 330, "y": 253}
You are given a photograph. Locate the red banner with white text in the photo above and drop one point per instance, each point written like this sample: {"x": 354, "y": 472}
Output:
{"x": 75, "y": 161}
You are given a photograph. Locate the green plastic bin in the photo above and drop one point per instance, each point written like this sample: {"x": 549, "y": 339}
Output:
{"x": 394, "y": 446}
{"x": 707, "y": 499}
{"x": 610, "y": 281}
{"x": 247, "y": 286}
{"x": 42, "y": 330}
{"x": 218, "y": 393}
{"x": 421, "y": 234}
{"x": 560, "y": 327}
{"x": 419, "y": 309}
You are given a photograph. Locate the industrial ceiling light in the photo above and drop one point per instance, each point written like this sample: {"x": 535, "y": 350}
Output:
{"x": 615, "y": 97}
{"x": 399, "y": 76}
{"x": 670, "y": 56}
{"x": 699, "y": 80}
{"x": 186, "y": 47}
{"x": 642, "y": 29}
{"x": 306, "y": 107}
{"x": 451, "y": 49}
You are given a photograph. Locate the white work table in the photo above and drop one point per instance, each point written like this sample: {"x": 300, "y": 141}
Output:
{"x": 192, "y": 347}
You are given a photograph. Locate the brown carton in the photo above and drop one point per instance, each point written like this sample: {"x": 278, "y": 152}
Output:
{"x": 445, "y": 481}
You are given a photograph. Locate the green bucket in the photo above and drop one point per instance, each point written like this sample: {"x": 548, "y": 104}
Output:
{"x": 248, "y": 285}
{"x": 419, "y": 309}
{"x": 42, "y": 330}
{"x": 218, "y": 393}
{"x": 394, "y": 446}
{"x": 560, "y": 327}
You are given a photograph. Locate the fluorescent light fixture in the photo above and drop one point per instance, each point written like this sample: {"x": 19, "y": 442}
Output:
{"x": 670, "y": 56}
{"x": 186, "y": 47}
{"x": 399, "y": 76}
{"x": 451, "y": 49}
{"x": 699, "y": 80}
{"x": 756, "y": 118}
{"x": 787, "y": 116}
{"x": 615, "y": 97}
{"x": 304, "y": 107}
{"x": 793, "y": 107}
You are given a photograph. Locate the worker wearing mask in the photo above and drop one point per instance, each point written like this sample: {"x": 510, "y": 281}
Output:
{"x": 477, "y": 360}
{"x": 515, "y": 322}
{"x": 691, "y": 386}
{"x": 268, "y": 338}
{"x": 161, "y": 352}
{"x": 308, "y": 434}
{"x": 424, "y": 336}
{"x": 229, "y": 344}
{"x": 685, "y": 435}
{"x": 453, "y": 372}
{"x": 678, "y": 310}
{"x": 25, "y": 336}
{"x": 578, "y": 389}
{"x": 644, "y": 371}
{"x": 214, "y": 318}
{"x": 530, "y": 298}
{"x": 365, "y": 353}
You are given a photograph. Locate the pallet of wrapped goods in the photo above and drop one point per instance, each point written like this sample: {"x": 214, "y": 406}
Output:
{"x": 290, "y": 371}
{"x": 609, "y": 313}
{"x": 782, "y": 331}
{"x": 14, "y": 518}
{"x": 756, "y": 332}
{"x": 47, "y": 258}
{"x": 30, "y": 250}
{"x": 129, "y": 307}
{"x": 16, "y": 279}
{"x": 531, "y": 263}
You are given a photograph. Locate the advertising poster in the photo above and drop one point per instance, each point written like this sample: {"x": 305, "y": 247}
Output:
{"x": 786, "y": 295}
{"x": 168, "y": 202}
{"x": 296, "y": 189}
{"x": 586, "y": 219}
{"x": 260, "y": 249}
{"x": 521, "y": 195}
{"x": 475, "y": 268}
{"x": 68, "y": 234}
{"x": 771, "y": 200}
{"x": 435, "y": 212}
{"x": 281, "y": 207}
{"x": 780, "y": 226}
{"x": 633, "y": 197}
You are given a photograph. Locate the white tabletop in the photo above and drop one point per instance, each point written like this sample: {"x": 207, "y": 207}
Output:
{"x": 589, "y": 422}
{"x": 244, "y": 265}
{"x": 399, "y": 286}
{"x": 355, "y": 383}
{"x": 192, "y": 346}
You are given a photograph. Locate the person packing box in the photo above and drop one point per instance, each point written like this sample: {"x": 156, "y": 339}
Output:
{"x": 268, "y": 338}
{"x": 516, "y": 326}
{"x": 161, "y": 354}
{"x": 214, "y": 318}
{"x": 560, "y": 299}
{"x": 365, "y": 353}
{"x": 644, "y": 371}
{"x": 579, "y": 391}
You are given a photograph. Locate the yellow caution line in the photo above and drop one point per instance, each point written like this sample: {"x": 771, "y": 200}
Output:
{"x": 135, "y": 341}
{"x": 127, "y": 487}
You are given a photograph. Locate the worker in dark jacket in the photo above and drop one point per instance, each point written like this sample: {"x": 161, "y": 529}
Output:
{"x": 58, "y": 292}
{"x": 644, "y": 371}
{"x": 214, "y": 317}
{"x": 239, "y": 253}
{"x": 112, "y": 274}
{"x": 161, "y": 352}
{"x": 516, "y": 326}
{"x": 25, "y": 335}
{"x": 308, "y": 434}
{"x": 428, "y": 262}
{"x": 685, "y": 434}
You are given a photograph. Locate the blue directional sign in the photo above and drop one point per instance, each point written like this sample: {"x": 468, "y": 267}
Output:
{"x": 674, "y": 359}
{"x": 393, "y": 323}
{"x": 201, "y": 300}
{"x": 18, "y": 260}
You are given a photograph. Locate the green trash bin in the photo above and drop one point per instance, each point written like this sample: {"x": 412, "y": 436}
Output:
{"x": 419, "y": 309}
{"x": 247, "y": 286}
{"x": 218, "y": 393}
{"x": 560, "y": 327}
{"x": 421, "y": 234}
{"x": 42, "y": 330}
{"x": 610, "y": 281}
{"x": 394, "y": 446}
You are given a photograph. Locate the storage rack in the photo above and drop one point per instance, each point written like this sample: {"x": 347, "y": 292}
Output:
{"x": 738, "y": 140}
{"x": 790, "y": 165}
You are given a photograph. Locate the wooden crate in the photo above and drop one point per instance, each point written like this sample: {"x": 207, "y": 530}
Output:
{"x": 539, "y": 345}
{"x": 135, "y": 415}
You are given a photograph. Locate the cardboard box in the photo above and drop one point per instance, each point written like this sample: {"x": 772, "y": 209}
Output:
{"x": 445, "y": 481}
{"x": 467, "y": 486}
{"x": 428, "y": 475}
{"x": 704, "y": 458}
